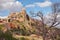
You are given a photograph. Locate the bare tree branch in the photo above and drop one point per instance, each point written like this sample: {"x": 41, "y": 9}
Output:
{"x": 55, "y": 10}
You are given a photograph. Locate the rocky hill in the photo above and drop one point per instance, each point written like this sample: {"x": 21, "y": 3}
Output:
{"x": 21, "y": 22}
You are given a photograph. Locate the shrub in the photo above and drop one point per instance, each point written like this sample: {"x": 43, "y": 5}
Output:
{"x": 1, "y": 26}
{"x": 22, "y": 38}
{"x": 7, "y": 35}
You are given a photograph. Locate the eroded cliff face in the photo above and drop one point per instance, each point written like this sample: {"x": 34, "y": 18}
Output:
{"x": 20, "y": 19}
{"x": 21, "y": 16}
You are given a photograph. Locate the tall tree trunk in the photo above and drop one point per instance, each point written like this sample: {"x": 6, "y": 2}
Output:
{"x": 52, "y": 35}
{"x": 44, "y": 33}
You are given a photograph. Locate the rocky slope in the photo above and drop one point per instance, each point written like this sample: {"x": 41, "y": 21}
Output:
{"x": 21, "y": 23}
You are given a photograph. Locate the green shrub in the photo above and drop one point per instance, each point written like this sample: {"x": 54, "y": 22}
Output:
{"x": 22, "y": 38}
{"x": 7, "y": 35}
{"x": 1, "y": 26}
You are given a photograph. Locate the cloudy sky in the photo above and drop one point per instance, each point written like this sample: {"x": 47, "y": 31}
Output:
{"x": 7, "y": 6}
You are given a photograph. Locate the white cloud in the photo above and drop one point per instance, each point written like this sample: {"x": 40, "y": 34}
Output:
{"x": 44, "y": 4}
{"x": 10, "y": 5}
{"x": 30, "y": 5}
{"x": 40, "y": 4}
{"x": 4, "y": 1}
{"x": 3, "y": 17}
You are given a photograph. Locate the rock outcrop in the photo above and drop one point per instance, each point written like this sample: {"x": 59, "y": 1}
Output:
{"x": 21, "y": 20}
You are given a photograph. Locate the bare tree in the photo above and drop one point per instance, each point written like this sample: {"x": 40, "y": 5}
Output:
{"x": 40, "y": 14}
{"x": 54, "y": 21}
{"x": 55, "y": 11}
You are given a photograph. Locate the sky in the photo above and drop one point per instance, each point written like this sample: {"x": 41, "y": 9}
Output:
{"x": 8, "y": 6}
